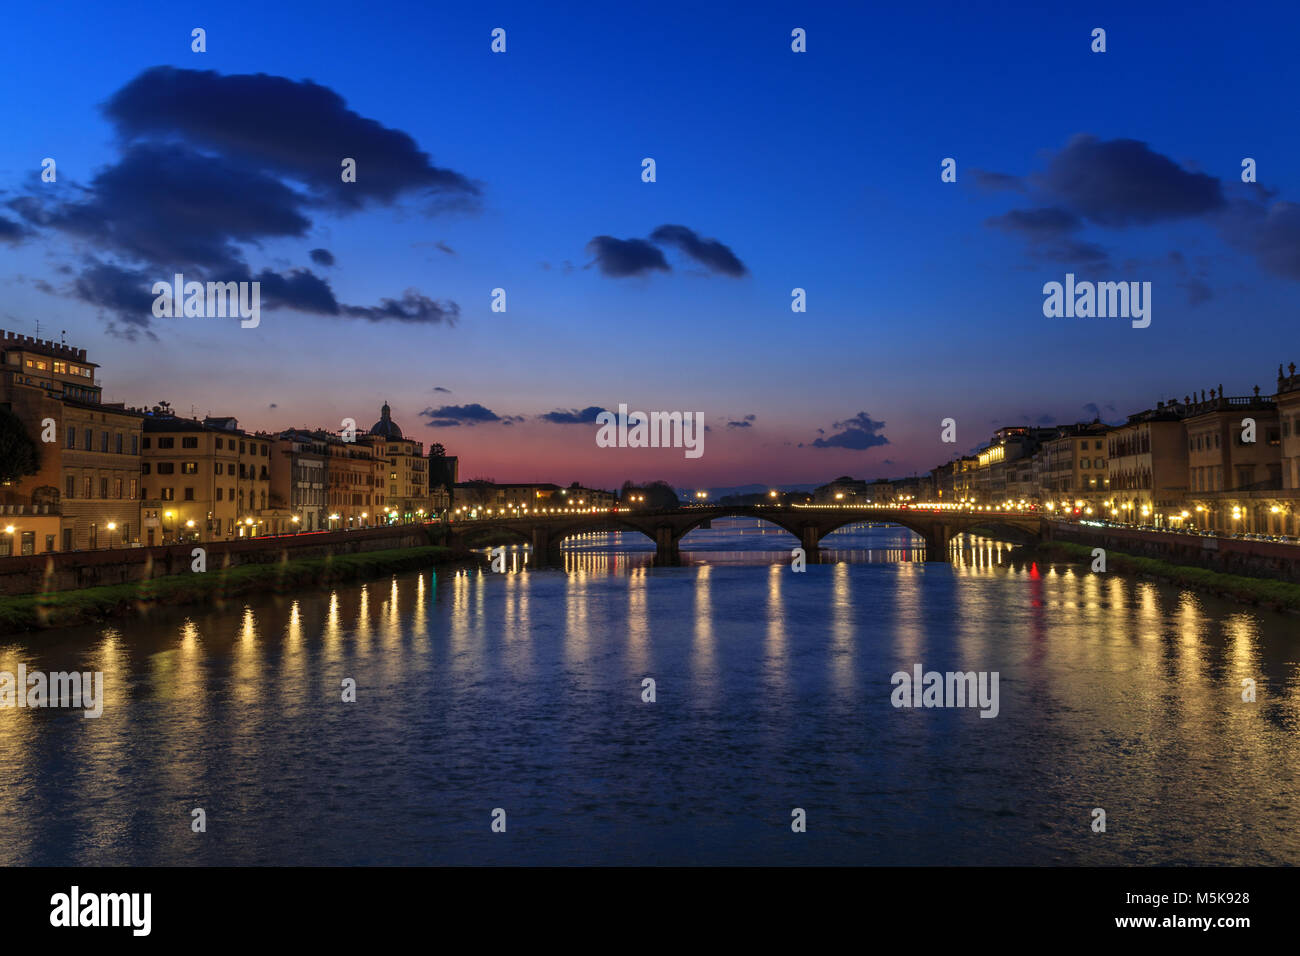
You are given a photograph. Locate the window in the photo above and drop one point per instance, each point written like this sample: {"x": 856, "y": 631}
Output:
{"x": 219, "y": 445}
{"x": 72, "y": 437}
{"x": 86, "y": 488}
{"x": 217, "y": 466}
{"x": 167, "y": 494}
{"x": 94, "y": 535}
{"x": 103, "y": 487}
{"x": 189, "y": 494}
{"x": 67, "y": 539}
{"x": 231, "y": 493}
{"x": 103, "y": 441}
{"x": 241, "y": 447}
{"x": 219, "y": 494}
{"x": 166, "y": 468}
{"x": 29, "y": 542}
{"x": 131, "y": 485}
{"x": 69, "y": 487}
{"x": 167, "y": 442}
{"x": 135, "y": 444}
{"x": 117, "y": 487}
{"x": 148, "y": 442}
{"x": 189, "y": 468}
{"x": 88, "y": 438}
{"x": 119, "y": 443}
{"x": 190, "y": 441}
{"x": 145, "y": 467}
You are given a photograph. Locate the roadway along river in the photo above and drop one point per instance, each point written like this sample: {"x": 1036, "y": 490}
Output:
{"x": 523, "y": 691}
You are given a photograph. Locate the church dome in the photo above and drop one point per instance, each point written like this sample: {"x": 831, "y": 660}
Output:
{"x": 385, "y": 427}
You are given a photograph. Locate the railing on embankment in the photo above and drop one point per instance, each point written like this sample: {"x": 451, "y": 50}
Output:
{"x": 68, "y": 570}
{"x": 1260, "y": 559}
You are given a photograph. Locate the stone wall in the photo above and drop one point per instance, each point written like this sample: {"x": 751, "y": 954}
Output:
{"x": 69, "y": 570}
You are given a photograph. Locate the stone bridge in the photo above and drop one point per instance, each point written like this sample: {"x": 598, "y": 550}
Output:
{"x": 808, "y": 523}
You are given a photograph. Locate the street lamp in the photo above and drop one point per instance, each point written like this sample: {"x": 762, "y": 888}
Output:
{"x": 112, "y": 526}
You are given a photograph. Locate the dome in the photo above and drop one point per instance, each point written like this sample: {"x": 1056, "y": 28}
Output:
{"x": 385, "y": 427}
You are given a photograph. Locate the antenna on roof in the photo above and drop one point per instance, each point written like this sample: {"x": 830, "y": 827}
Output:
{"x": 63, "y": 336}
{"x": 38, "y": 328}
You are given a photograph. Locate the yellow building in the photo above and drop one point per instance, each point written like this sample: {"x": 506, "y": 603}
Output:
{"x": 402, "y": 493}
{"x": 206, "y": 481}
{"x": 90, "y": 452}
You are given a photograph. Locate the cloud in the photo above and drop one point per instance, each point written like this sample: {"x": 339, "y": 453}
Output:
{"x": 1198, "y": 291}
{"x": 993, "y": 182}
{"x": 1269, "y": 232}
{"x": 746, "y": 422}
{"x": 211, "y": 166}
{"x": 858, "y": 433}
{"x": 11, "y": 231}
{"x": 449, "y": 416}
{"x": 619, "y": 258}
{"x": 573, "y": 416}
{"x": 439, "y": 388}
{"x": 709, "y": 253}
{"x": 1047, "y": 230}
{"x": 273, "y": 405}
{"x": 1046, "y": 223}
{"x": 297, "y": 129}
{"x": 1123, "y": 182}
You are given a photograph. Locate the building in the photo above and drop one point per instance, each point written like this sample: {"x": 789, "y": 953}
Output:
{"x": 205, "y": 481}
{"x": 843, "y": 491}
{"x": 443, "y": 474}
{"x": 494, "y": 498}
{"x": 354, "y": 479}
{"x": 1146, "y": 463}
{"x": 1231, "y": 481}
{"x": 300, "y": 478}
{"x": 1071, "y": 468}
{"x": 1004, "y": 470}
{"x": 89, "y": 466}
{"x": 403, "y": 490}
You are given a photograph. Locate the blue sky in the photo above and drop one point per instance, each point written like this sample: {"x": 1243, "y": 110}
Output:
{"x": 818, "y": 170}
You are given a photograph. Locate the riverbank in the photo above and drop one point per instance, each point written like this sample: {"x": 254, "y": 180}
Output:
{"x": 34, "y": 612}
{"x": 1266, "y": 592}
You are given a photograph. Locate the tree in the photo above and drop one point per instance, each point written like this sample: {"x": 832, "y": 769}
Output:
{"x": 19, "y": 455}
{"x": 437, "y": 451}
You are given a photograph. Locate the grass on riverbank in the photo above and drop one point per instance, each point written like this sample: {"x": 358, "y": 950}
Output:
{"x": 30, "y": 612}
{"x": 1278, "y": 595}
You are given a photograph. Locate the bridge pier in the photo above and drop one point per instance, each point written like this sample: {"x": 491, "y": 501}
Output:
{"x": 666, "y": 546}
{"x": 937, "y": 542}
{"x": 809, "y": 538}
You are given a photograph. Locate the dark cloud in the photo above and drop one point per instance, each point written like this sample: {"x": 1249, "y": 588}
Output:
{"x": 994, "y": 182}
{"x": 1047, "y": 230}
{"x": 1123, "y": 182}
{"x": 300, "y": 130}
{"x": 619, "y": 258}
{"x": 411, "y": 307}
{"x": 1047, "y": 223}
{"x": 273, "y": 405}
{"x": 125, "y": 293}
{"x": 211, "y": 166}
{"x": 709, "y": 253}
{"x": 11, "y": 231}
{"x": 453, "y": 415}
{"x": 439, "y": 388}
{"x": 858, "y": 433}
{"x": 176, "y": 208}
{"x": 746, "y": 422}
{"x": 1198, "y": 291}
{"x": 1269, "y": 232}
{"x": 573, "y": 416}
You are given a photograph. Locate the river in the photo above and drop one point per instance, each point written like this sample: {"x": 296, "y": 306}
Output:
{"x": 523, "y": 692}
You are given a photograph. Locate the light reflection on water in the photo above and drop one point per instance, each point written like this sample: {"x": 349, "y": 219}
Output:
{"x": 523, "y": 691}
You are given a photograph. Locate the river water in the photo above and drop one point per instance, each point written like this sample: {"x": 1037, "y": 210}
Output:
{"x": 523, "y": 692}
